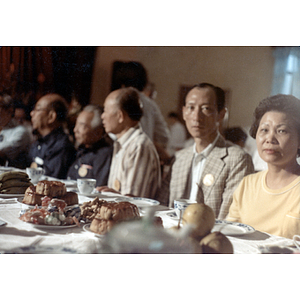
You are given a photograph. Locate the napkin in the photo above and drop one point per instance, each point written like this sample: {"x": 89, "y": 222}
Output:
{"x": 2, "y": 222}
{"x": 8, "y": 200}
{"x": 284, "y": 246}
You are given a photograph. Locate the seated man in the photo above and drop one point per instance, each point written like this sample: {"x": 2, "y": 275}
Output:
{"x": 135, "y": 168}
{"x": 134, "y": 74}
{"x": 53, "y": 150}
{"x": 211, "y": 168}
{"x": 14, "y": 138}
{"x": 95, "y": 148}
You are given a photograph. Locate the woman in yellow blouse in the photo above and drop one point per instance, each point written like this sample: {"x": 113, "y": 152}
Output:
{"x": 270, "y": 200}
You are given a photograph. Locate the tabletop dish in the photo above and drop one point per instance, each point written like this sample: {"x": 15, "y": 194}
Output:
{"x": 52, "y": 227}
{"x": 140, "y": 202}
{"x": 68, "y": 183}
{"x": 172, "y": 214}
{"x": 86, "y": 228}
{"x": 11, "y": 195}
{"x": 6, "y": 169}
{"x": 89, "y": 195}
{"x": 100, "y": 196}
{"x": 33, "y": 206}
{"x": 232, "y": 228}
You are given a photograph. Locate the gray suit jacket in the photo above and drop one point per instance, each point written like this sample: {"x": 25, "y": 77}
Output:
{"x": 225, "y": 167}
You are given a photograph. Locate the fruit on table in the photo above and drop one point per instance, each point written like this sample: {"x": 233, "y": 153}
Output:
{"x": 202, "y": 217}
{"x": 216, "y": 243}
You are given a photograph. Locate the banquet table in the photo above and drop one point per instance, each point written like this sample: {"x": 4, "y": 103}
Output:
{"x": 17, "y": 236}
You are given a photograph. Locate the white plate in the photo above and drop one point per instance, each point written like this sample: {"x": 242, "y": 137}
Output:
{"x": 86, "y": 228}
{"x": 6, "y": 169}
{"x": 52, "y": 227}
{"x": 33, "y": 206}
{"x": 68, "y": 183}
{"x": 172, "y": 214}
{"x": 232, "y": 228}
{"x": 100, "y": 196}
{"x": 90, "y": 195}
{"x": 11, "y": 195}
{"x": 140, "y": 202}
{"x": 26, "y": 205}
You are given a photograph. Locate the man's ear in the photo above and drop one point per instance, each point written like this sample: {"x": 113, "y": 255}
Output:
{"x": 52, "y": 117}
{"x": 11, "y": 111}
{"x": 183, "y": 112}
{"x": 222, "y": 114}
{"x": 121, "y": 116}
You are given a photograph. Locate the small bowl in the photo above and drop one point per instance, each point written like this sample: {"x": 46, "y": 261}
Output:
{"x": 86, "y": 186}
{"x": 180, "y": 205}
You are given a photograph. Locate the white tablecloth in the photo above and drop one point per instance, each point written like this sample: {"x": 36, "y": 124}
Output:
{"x": 17, "y": 234}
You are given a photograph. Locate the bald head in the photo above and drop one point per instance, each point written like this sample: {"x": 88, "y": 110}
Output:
{"x": 56, "y": 103}
{"x": 49, "y": 113}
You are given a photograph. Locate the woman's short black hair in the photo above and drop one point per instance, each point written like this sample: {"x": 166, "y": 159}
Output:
{"x": 287, "y": 104}
{"x": 129, "y": 101}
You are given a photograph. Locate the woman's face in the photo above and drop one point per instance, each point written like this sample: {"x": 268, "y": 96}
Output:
{"x": 277, "y": 139}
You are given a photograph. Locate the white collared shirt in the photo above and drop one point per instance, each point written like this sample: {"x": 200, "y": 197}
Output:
{"x": 135, "y": 166}
{"x": 199, "y": 161}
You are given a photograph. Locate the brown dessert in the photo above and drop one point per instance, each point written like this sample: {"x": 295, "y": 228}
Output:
{"x": 31, "y": 197}
{"x": 112, "y": 213}
{"x": 53, "y": 189}
{"x": 71, "y": 198}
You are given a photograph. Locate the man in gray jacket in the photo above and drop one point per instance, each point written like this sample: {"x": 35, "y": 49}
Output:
{"x": 212, "y": 167}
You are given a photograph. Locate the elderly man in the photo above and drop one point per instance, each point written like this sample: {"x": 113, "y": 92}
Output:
{"x": 134, "y": 74}
{"x": 53, "y": 150}
{"x": 95, "y": 147}
{"x": 135, "y": 168}
{"x": 212, "y": 167}
{"x": 14, "y": 138}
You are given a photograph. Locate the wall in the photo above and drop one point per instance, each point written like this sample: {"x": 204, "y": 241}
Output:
{"x": 245, "y": 71}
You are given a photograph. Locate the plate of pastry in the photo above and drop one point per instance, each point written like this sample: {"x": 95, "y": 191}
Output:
{"x": 52, "y": 227}
{"x": 140, "y": 202}
{"x": 11, "y": 195}
{"x": 28, "y": 206}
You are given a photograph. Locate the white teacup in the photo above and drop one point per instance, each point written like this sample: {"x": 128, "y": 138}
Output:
{"x": 180, "y": 205}
{"x": 35, "y": 174}
{"x": 86, "y": 185}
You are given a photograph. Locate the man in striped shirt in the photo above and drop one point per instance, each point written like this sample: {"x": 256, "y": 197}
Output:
{"x": 135, "y": 167}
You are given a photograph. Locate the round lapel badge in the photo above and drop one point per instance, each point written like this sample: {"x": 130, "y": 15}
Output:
{"x": 117, "y": 185}
{"x": 33, "y": 165}
{"x": 208, "y": 179}
{"x": 82, "y": 171}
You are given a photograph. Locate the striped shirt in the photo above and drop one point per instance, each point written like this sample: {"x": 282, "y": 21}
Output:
{"x": 135, "y": 167}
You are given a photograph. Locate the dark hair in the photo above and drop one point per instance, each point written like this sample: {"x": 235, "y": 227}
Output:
{"x": 130, "y": 74}
{"x": 235, "y": 134}
{"x": 59, "y": 105}
{"x": 220, "y": 94}
{"x": 128, "y": 100}
{"x": 287, "y": 104}
{"x": 6, "y": 101}
{"x": 173, "y": 114}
